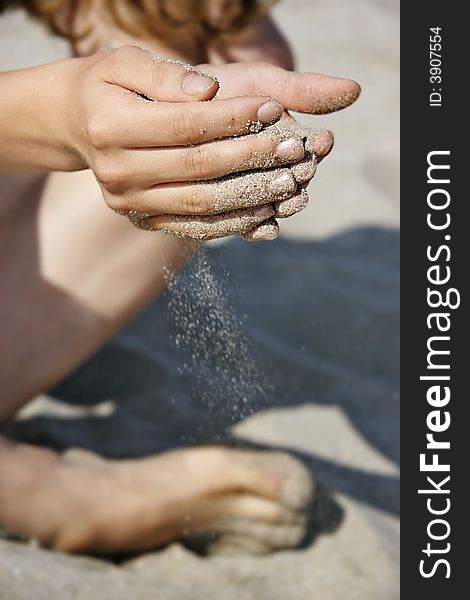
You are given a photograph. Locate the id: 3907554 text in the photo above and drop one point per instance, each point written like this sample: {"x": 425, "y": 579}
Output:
{"x": 435, "y": 66}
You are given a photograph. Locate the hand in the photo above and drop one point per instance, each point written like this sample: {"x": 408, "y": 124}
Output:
{"x": 283, "y": 190}
{"x": 96, "y": 112}
{"x": 150, "y": 155}
{"x": 235, "y": 192}
{"x": 93, "y": 112}
{"x": 310, "y": 93}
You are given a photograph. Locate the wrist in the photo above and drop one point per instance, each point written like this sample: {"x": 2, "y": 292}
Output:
{"x": 36, "y": 106}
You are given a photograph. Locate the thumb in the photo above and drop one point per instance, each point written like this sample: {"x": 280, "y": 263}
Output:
{"x": 311, "y": 93}
{"x": 157, "y": 78}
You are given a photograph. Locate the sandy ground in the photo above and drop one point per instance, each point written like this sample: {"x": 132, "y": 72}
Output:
{"x": 332, "y": 360}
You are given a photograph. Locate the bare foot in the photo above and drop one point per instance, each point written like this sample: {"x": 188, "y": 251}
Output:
{"x": 248, "y": 501}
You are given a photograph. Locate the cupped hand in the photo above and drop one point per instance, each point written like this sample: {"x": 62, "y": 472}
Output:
{"x": 155, "y": 146}
{"x": 310, "y": 93}
{"x": 282, "y": 190}
{"x": 139, "y": 122}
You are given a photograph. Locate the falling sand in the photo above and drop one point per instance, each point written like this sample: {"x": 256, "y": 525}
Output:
{"x": 228, "y": 377}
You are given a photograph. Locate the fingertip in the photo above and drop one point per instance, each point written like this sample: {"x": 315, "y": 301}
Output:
{"x": 199, "y": 86}
{"x": 353, "y": 91}
{"x": 356, "y": 88}
{"x": 304, "y": 170}
{"x": 341, "y": 94}
{"x": 292, "y": 206}
{"x": 320, "y": 143}
{"x": 266, "y": 231}
{"x": 321, "y": 94}
{"x": 212, "y": 90}
{"x": 270, "y": 112}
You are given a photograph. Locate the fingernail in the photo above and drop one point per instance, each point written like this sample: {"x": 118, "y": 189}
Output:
{"x": 264, "y": 212}
{"x": 291, "y": 206}
{"x": 195, "y": 84}
{"x": 320, "y": 142}
{"x": 292, "y": 149}
{"x": 269, "y": 112}
{"x": 305, "y": 170}
{"x": 266, "y": 231}
{"x": 283, "y": 184}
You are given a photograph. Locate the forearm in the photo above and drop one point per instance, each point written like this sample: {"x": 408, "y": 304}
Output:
{"x": 35, "y": 107}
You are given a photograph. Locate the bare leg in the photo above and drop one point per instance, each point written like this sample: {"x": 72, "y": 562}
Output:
{"x": 72, "y": 274}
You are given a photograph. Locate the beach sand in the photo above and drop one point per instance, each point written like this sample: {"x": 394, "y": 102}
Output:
{"x": 319, "y": 306}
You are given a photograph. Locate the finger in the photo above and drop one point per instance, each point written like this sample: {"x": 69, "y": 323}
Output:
{"x": 317, "y": 141}
{"x": 181, "y": 123}
{"x": 268, "y": 230}
{"x": 304, "y": 170}
{"x": 291, "y": 206}
{"x": 320, "y": 142}
{"x": 208, "y": 228}
{"x": 147, "y": 167}
{"x": 247, "y": 190}
{"x": 156, "y": 78}
{"x": 311, "y": 93}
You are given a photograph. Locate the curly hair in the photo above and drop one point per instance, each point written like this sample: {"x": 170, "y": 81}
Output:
{"x": 163, "y": 18}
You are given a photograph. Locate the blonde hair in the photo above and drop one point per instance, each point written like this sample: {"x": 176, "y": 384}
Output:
{"x": 161, "y": 18}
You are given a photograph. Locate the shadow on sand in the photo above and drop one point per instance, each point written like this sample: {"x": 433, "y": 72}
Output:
{"x": 323, "y": 320}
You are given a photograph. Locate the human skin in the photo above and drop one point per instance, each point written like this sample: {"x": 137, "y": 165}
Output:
{"x": 98, "y": 306}
{"x": 134, "y": 145}
{"x": 74, "y": 276}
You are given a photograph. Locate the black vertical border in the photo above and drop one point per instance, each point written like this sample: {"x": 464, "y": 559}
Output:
{"x": 424, "y": 129}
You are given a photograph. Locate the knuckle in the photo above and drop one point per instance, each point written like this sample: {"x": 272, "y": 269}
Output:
{"x": 117, "y": 60}
{"x": 111, "y": 177}
{"x": 231, "y": 116}
{"x": 256, "y": 152}
{"x": 161, "y": 73}
{"x": 122, "y": 53}
{"x": 262, "y": 68}
{"x": 117, "y": 203}
{"x": 113, "y": 58}
{"x": 252, "y": 152}
{"x": 99, "y": 131}
{"x": 197, "y": 202}
{"x": 185, "y": 126}
{"x": 198, "y": 163}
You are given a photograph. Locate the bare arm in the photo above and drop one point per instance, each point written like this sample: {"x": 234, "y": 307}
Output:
{"x": 85, "y": 112}
{"x": 33, "y": 129}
